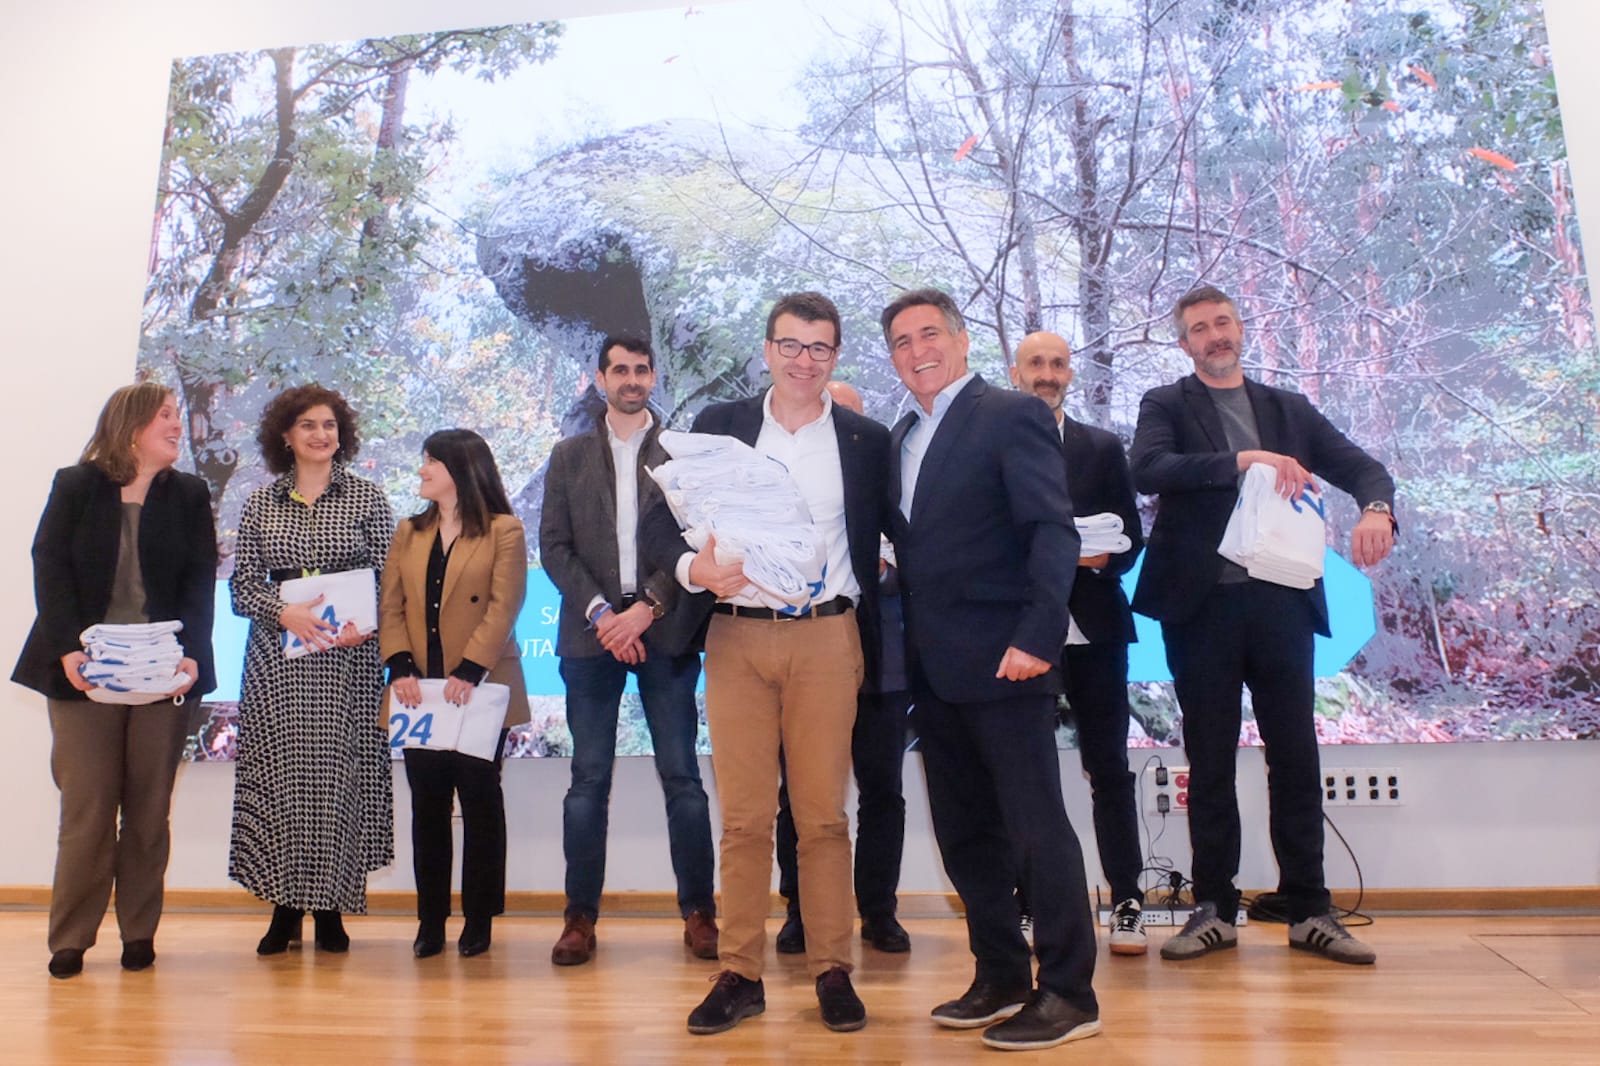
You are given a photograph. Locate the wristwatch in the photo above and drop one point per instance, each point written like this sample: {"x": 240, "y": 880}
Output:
{"x": 658, "y": 610}
{"x": 1379, "y": 507}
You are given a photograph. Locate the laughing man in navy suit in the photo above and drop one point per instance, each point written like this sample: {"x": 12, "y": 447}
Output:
{"x": 983, "y": 531}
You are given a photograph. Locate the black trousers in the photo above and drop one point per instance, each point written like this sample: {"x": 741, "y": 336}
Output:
{"x": 877, "y": 750}
{"x": 435, "y": 778}
{"x": 1256, "y": 635}
{"x": 994, "y": 789}
{"x": 1097, "y": 695}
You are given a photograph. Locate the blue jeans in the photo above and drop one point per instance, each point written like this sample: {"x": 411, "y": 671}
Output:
{"x": 666, "y": 687}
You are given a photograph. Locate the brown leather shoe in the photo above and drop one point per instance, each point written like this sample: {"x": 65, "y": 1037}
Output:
{"x": 576, "y": 945}
{"x": 700, "y": 934}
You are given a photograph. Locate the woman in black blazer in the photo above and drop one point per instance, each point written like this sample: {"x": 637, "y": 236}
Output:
{"x": 124, "y": 538}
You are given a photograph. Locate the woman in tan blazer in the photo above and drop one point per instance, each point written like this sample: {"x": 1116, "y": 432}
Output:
{"x": 451, "y": 591}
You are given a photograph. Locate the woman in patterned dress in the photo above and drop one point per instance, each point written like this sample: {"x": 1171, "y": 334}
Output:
{"x": 312, "y": 801}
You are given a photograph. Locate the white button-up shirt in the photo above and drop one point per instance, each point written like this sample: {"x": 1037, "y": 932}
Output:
{"x": 625, "y": 467}
{"x": 811, "y": 455}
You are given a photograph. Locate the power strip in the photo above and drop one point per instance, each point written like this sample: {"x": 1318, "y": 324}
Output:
{"x": 1173, "y": 916}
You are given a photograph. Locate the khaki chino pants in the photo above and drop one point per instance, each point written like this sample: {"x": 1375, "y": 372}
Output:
{"x": 792, "y": 685}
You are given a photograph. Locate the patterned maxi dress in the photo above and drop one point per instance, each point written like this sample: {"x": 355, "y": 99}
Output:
{"x": 312, "y": 802}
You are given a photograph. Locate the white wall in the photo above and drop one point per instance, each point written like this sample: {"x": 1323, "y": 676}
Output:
{"x": 84, "y": 86}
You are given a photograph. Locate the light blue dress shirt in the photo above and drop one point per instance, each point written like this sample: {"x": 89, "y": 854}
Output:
{"x": 920, "y": 436}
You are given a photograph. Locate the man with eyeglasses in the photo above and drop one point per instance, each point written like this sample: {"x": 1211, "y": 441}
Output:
{"x": 784, "y": 682}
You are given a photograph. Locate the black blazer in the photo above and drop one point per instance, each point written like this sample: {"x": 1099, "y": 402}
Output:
{"x": 578, "y": 545}
{"x": 1181, "y": 452}
{"x": 863, "y": 462}
{"x": 1098, "y": 478}
{"x": 75, "y": 562}
{"x": 988, "y": 557}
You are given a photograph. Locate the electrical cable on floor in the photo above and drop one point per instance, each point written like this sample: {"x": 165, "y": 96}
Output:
{"x": 1272, "y": 907}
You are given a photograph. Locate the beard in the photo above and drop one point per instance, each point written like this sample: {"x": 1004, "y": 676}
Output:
{"x": 628, "y": 403}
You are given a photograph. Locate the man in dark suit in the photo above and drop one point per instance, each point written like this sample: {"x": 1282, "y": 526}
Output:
{"x": 618, "y": 615}
{"x": 789, "y": 680}
{"x": 983, "y": 532}
{"x": 1094, "y": 662}
{"x": 1225, "y": 630}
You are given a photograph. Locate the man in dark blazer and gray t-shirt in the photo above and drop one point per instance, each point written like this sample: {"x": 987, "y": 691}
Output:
{"x": 1225, "y": 630}
{"x": 983, "y": 531}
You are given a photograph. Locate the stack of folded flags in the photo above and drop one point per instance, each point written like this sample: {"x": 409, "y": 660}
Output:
{"x": 1274, "y": 539}
{"x": 1101, "y": 534}
{"x": 133, "y": 663}
{"x": 717, "y": 485}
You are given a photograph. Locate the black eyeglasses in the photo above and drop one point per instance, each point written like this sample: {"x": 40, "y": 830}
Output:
{"x": 817, "y": 351}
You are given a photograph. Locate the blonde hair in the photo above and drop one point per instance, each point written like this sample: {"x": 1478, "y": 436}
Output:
{"x": 125, "y": 415}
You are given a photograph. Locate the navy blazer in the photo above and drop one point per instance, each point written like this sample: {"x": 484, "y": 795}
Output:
{"x": 863, "y": 462}
{"x": 1181, "y": 452}
{"x": 75, "y": 562}
{"x": 578, "y": 545}
{"x": 1098, "y": 479}
{"x": 988, "y": 557}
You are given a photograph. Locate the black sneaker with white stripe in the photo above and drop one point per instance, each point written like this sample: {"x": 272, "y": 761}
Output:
{"x": 1324, "y": 935}
{"x": 1202, "y": 934}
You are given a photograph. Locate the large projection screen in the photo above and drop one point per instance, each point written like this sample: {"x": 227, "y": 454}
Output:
{"x": 443, "y": 225}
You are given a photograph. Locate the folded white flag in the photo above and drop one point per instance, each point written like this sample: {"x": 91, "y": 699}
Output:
{"x": 133, "y": 663}
{"x": 1101, "y": 534}
{"x": 347, "y": 596}
{"x": 718, "y": 485}
{"x": 472, "y": 728}
{"x": 1274, "y": 539}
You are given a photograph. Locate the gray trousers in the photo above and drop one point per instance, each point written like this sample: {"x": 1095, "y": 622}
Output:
{"x": 105, "y": 759}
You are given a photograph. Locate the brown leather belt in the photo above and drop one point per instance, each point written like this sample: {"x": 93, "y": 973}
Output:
{"x": 837, "y": 605}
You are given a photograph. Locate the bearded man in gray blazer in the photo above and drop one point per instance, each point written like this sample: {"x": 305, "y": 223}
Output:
{"x": 619, "y": 616}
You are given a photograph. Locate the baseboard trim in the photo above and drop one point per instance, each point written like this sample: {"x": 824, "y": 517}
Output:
{"x": 912, "y": 904}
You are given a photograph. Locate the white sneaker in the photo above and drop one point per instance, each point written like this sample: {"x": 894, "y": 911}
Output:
{"x": 1324, "y": 935}
{"x": 1127, "y": 929}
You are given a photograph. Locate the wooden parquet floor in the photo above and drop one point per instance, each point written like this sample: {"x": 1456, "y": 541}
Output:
{"x": 1456, "y": 990}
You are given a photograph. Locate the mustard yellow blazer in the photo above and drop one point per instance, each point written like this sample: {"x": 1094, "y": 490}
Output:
{"x": 484, "y": 586}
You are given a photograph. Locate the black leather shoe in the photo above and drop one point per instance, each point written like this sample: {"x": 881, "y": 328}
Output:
{"x": 475, "y": 937}
{"x": 138, "y": 954}
{"x": 330, "y": 933}
{"x": 430, "y": 940}
{"x": 1046, "y": 1021}
{"x": 68, "y": 962}
{"x": 982, "y": 1004}
{"x": 285, "y": 929}
{"x": 886, "y": 934}
{"x": 730, "y": 1002}
{"x": 842, "y": 1009}
{"x": 792, "y": 937}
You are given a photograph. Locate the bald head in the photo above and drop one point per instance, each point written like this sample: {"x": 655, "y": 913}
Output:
{"x": 1043, "y": 367}
{"x": 846, "y": 396}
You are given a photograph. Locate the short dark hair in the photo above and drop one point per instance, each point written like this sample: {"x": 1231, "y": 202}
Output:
{"x": 125, "y": 415}
{"x": 480, "y": 494}
{"x": 628, "y": 343}
{"x": 807, "y": 307}
{"x": 922, "y": 298}
{"x": 1205, "y": 294}
{"x": 279, "y": 416}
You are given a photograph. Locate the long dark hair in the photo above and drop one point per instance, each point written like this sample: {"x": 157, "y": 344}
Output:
{"x": 480, "y": 494}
